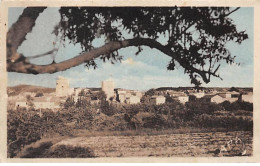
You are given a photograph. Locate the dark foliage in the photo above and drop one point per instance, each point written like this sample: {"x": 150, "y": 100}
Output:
{"x": 39, "y": 94}
{"x": 69, "y": 102}
{"x": 155, "y": 122}
{"x": 212, "y": 25}
{"x": 37, "y": 152}
{"x": 238, "y": 105}
{"x": 28, "y": 126}
{"x": 63, "y": 151}
{"x": 44, "y": 150}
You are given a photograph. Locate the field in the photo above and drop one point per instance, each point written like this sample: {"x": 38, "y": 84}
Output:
{"x": 170, "y": 145}
{"x": 193, "y": 144}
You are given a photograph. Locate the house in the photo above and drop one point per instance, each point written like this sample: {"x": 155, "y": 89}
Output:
{"x": 199, "y": 94}
{"x": 157, "y": 100}
{"x": 20, "y": 104}
{"x": 121, "y": 98}
{"x": 230, "y": 96}
{"x": 46, "y": 103}
{"x": 212, "y": 99}
{"x": 247, "y": 97}
{"x": 183, "y": 99}
{"x": 41, "y": 103}
{"x": 133, "y": 100}
{"x": 139, "y": 94}
{"x": 121, "y": 95}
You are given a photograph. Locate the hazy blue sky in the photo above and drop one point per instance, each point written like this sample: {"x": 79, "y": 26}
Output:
{"x": 147, "y": 71}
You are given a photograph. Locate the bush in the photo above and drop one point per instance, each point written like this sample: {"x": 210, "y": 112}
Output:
{"x": 39, "y": 94}
{"x": 230, "y": 123}
{"x": 238, "y": 105}
{"x": 198, "y": 107}
{"x": 246, "y": 106}
{"x": 37, "y": 152}
{"x": 69, "y": 102}
{"x": 47, "y": 150}
{"x": 108, "y": 108}
{"x": 24, "y": 127}
{"x": 154, "y": 121}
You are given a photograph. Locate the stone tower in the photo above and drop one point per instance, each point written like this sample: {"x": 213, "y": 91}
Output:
{"x": 108, "y": 87}
{"x": 62, "y": 86}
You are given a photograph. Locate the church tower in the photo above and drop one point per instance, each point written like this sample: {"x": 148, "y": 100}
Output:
{"x": 108, "y": 87}
{"x": 62, "y": 87}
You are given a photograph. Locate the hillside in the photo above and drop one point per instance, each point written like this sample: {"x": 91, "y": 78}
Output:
{"x": 15, "y": 90}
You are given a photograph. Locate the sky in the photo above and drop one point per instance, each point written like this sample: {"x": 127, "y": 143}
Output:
{"x": 145, "y": 71}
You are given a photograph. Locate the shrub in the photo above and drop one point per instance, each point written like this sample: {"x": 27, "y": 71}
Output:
{"x": 69, "y": 102}
{"x": 154, "y": 121}
{"x": 24, "y": 127}
{"x": 47, "y": 150}
{"x": 246, "y": 106}
{"x": 39, "y": 94}
{"x": 37, "y": 152}
{"x": 226, "y": 105}
{"x": 199, "y": 107}
{"x": 237, "y": 106}
{"x": 108, "y": 108}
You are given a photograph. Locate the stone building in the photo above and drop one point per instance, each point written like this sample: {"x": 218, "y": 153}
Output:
{"x": 157, "y": 100}
{"x": 20, "y": 104}
{"x": 247, "y": 97}
{"x": 121, "y": 95}
{"x": 138, "y": 93}
{"x": 62, "y": 87}
{"x": 230, "y": 96}
{"x": 133, "y": 100}
{"x": 108, "y": 87}
{"x": 199, "y": 94}
{"x": 212, "y": 98}
{"x": 183, "y": 99}
{"x": 41, "y": 103}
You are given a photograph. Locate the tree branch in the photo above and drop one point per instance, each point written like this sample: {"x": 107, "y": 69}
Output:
{"x": 232, "y": 11}
{"x": 23, "y": 66}
{"x": 17, "y": 33}
{"x": 42, "y": 55}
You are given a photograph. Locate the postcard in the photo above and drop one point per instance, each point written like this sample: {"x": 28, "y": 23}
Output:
{"x": 136, "y": 81}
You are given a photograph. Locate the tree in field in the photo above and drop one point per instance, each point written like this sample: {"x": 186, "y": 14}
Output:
{"x": 39, "y": 94}
{"x": 196, "y": 37}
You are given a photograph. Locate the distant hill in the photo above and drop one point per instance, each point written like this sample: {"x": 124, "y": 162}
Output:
{"x": 15, "y": 90}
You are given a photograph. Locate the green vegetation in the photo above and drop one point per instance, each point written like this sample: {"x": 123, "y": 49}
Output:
{"x": 28, "y": 126}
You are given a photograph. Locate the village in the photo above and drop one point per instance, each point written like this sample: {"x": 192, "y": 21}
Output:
{"x": 63, "y": 90}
